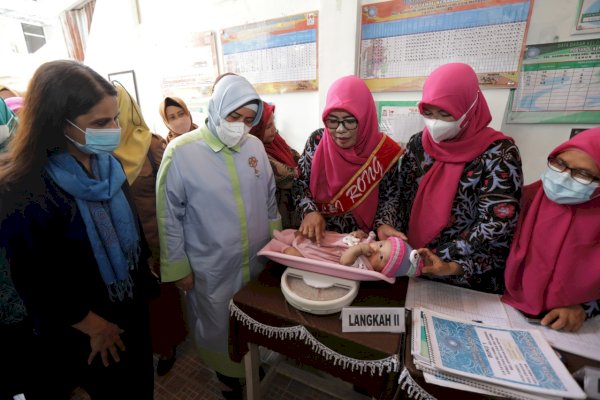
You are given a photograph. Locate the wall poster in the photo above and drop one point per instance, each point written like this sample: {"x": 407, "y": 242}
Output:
{"x": 276, "y": 56}
{"x": 400, "y": 119}
{"x": 402, "y": 41}
{"x": 588, "y": 17}
{"x": 191, "y": 68}
{"x": 559, "y": 83}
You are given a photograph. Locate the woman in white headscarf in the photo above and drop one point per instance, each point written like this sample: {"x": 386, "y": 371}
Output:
{"x": 212, "y": 222}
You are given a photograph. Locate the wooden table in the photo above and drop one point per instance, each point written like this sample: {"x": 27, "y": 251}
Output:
{"x": 381, "y": 363}
{"x": 260, "y": 316}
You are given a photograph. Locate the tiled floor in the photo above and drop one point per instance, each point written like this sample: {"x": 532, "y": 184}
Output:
{"x": 191, "y": 380}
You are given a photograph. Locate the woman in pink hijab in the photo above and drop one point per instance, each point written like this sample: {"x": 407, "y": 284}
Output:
{"x": 348, "y": 172}
{"x": 460, "y": 184}
{"x": 552, "y": 268}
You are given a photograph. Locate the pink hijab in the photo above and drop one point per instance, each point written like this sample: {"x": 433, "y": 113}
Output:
{"x": 332, "y": 166}
{"x": 453, "y": 88}
{"x": 553, "y": 257}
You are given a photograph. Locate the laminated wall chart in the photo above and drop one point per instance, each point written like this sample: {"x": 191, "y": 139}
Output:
{"x": 402, "y": 41}
{"x": 588, "y": 17}
{"x": 276, "y": 56}
{"x": 191, "y": 68}
{"x": 559, "y": 83}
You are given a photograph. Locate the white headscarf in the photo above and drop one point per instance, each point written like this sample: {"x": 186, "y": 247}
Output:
{"x": 231, "y": 93}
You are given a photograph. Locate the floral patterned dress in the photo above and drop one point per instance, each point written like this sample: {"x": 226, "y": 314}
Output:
{"x": 484, "y": 212}
{"x": 388, "y": 194}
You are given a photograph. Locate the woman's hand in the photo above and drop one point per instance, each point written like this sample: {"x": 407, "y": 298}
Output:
{"x": 359, "y": 234}
{"x": 313, "y": 227}
{"x": 385, "y": 231}
{"x": 187, "y": 283}
{"x": 104, "y": 337}
{"x": 568, "y": 319}
{"x": 433, "y": 265}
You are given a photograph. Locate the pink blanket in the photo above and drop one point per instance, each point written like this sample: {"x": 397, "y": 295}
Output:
{"x": 328, "y": 262}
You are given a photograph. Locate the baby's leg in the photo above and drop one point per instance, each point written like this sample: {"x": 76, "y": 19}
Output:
{"x": 292, "y": 251}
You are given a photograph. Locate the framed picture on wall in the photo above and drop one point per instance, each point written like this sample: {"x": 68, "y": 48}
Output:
{"x": 127, "y": 80}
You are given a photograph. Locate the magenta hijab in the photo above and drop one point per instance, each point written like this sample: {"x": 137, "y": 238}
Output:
{"x": 553, "y": 257}
{"x": 454, "y": 88}
{"x": 332, "y": 166}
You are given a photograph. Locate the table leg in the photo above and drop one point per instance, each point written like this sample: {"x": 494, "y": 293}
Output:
{"x": 251, "y": 364}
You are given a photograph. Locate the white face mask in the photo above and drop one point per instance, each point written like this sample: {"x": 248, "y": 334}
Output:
{"x": 4, "y": 133}
{"x": 444, "y": 130}
{"x": 231, "y": 133}
{"x": 5, "y": 130}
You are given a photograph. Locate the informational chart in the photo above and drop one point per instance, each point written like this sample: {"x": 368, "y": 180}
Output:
{"x": 276, "y": 56}
{"x": 402, "y": 41}
{"x": 559, "y": 83}
{"x": 191, "y": 68}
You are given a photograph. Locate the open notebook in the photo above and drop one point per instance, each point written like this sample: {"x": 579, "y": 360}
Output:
{"x": 516, "y": 363}
{"x": 487, "y": 308}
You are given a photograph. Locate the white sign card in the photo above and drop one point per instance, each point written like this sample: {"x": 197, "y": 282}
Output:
{"x": 373, "y": 319}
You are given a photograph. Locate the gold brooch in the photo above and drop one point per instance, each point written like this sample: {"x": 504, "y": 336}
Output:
{"x": 253, "y": 162}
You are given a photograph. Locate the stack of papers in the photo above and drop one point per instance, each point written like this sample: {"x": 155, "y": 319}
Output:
{"x": 488, "y": 359}
{"x": 470, "y": 305}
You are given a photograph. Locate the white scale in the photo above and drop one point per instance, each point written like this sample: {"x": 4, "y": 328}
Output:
{"x": 316, "y": 293}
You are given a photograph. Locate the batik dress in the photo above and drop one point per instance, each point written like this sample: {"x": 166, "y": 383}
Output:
{"x": 483, "y": 216}
{"x": 345, "y": 223}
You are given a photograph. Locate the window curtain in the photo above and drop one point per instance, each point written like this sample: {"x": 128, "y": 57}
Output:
{"x": 76, "y": 27}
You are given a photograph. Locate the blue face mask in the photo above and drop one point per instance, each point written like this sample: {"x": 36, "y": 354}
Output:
{"x": 97, "y": 141}
{"x": 561, "y": 188}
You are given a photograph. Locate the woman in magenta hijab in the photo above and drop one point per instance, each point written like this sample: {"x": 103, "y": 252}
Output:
{"x": 348, "y": 171}
{"x": 460, "y": 184}
{"x": 552, "y": 268}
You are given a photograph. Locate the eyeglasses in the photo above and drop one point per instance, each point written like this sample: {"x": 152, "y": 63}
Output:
{"x": 577, "y": 174}
{"x": 348, "y": 123}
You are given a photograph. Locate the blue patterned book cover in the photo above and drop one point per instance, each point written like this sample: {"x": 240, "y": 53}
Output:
{"x": 520, "y": 359}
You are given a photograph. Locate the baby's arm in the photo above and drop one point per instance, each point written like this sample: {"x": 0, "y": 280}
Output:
{"x": 349, "y": 256}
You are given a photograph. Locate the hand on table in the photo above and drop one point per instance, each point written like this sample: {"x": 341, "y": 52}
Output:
{"x": 568, "y": 319}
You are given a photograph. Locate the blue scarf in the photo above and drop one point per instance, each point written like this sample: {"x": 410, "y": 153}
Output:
{"x": 107, "y": 215}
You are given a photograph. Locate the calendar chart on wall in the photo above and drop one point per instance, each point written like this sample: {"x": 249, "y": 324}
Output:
{"x": 402, "y": 41}
{"x": 559, "y": 83}
{"x": 276, "y": 56}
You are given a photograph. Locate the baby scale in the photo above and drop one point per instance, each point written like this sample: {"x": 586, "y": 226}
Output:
{"x": 319, "y": 287}
{"x": 317, "y": 293}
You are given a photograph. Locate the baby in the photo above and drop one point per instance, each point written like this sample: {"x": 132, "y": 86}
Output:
{"x": 391, "y": 257}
